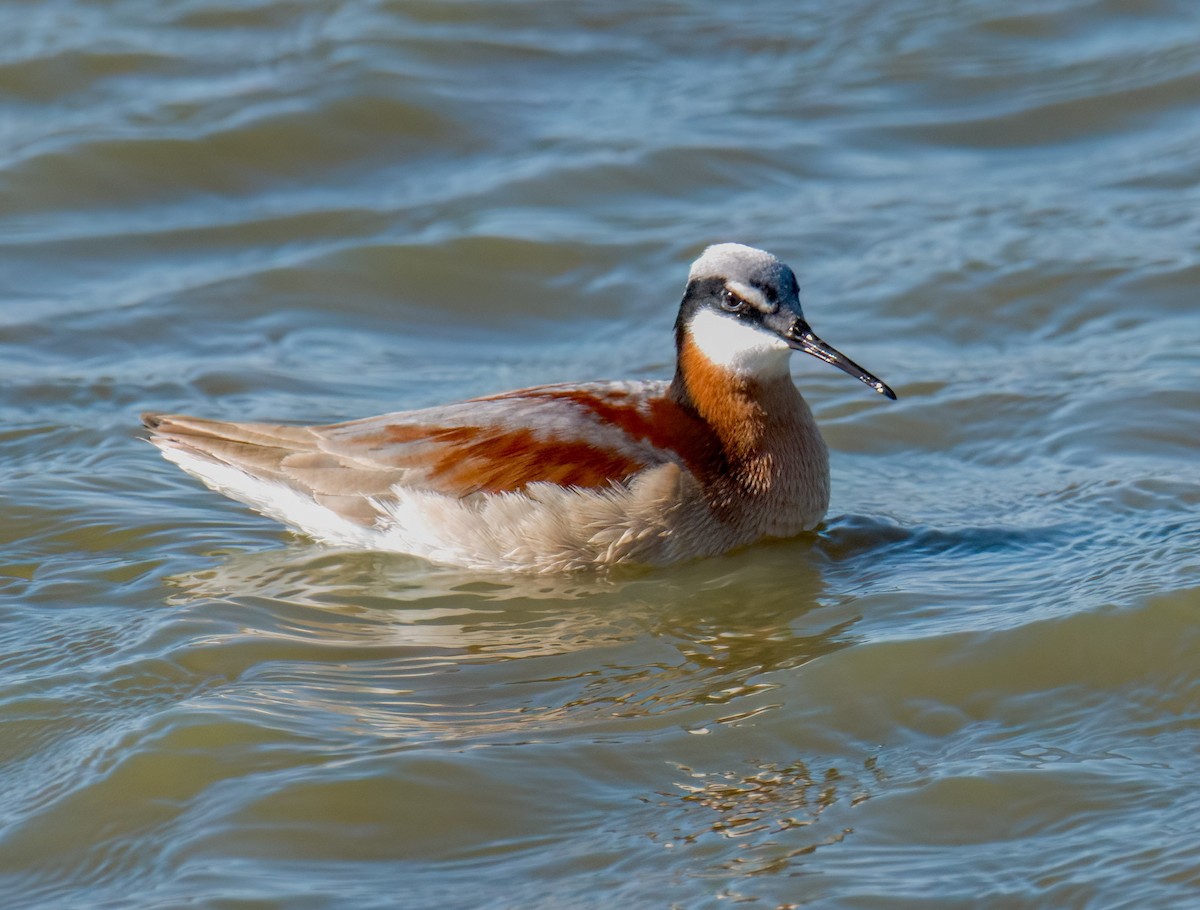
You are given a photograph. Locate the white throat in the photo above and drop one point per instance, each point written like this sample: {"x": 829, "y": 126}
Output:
{"x": 740, "y": 348}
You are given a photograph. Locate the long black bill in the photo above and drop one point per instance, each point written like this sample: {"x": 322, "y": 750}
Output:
{"x": 801, "y": 338}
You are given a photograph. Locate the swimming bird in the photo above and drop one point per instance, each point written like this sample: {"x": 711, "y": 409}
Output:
{"x": 563, "y": 477}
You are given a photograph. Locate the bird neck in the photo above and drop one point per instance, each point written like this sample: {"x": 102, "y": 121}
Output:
{"x": 769, "y": 467}
{"x": 741, "y": 407}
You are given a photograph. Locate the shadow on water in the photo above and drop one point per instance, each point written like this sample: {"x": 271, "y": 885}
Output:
{"x": 367, "y": 656}
{"x": 418, "y": 652}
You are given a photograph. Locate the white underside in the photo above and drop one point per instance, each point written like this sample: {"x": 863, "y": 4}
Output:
{"x": 659, "y": 517}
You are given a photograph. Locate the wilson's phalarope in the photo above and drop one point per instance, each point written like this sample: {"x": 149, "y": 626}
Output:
{"x": 565, "y": 476}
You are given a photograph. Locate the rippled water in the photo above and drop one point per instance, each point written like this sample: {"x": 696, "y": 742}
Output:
{"x": 977, "y": 686}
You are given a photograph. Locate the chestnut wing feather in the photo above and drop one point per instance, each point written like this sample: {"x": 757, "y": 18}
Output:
{"x": 583, "y": 436}
{"x": 564, "y": 435}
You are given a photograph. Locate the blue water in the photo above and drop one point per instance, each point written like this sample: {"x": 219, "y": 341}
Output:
{"x": 976, "y": 686}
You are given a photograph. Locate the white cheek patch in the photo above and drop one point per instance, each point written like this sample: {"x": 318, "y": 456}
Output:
{"x": 737, "y": 346}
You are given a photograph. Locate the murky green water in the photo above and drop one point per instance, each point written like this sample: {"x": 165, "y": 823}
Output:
{"x": 977, "y": 687}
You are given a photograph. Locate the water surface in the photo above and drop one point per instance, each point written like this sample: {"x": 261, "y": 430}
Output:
{"x": 975, "y": 687}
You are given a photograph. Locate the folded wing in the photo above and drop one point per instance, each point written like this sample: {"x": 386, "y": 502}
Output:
{"x": 573, "y": 436}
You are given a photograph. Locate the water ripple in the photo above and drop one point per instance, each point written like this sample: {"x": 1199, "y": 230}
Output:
{"x": 974, "y": 686}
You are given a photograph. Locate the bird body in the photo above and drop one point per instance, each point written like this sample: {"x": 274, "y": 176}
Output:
{"x": 563, "y": 477}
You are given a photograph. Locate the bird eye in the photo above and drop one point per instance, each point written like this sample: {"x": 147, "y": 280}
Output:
{"x": 731, "y": 302}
